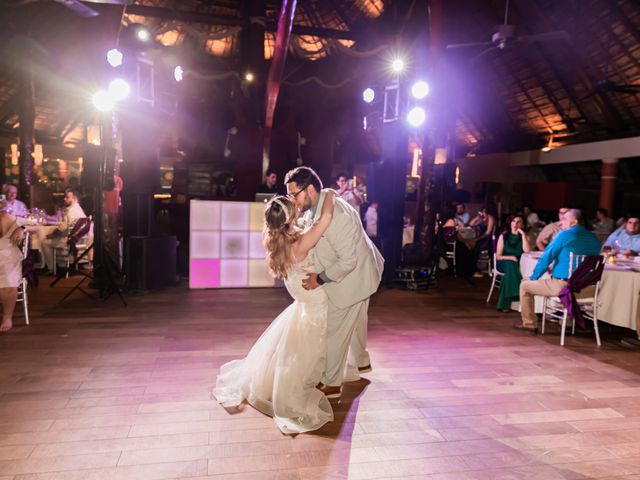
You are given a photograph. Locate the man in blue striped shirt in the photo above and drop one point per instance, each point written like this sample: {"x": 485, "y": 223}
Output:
{"x": 573, "y": 238}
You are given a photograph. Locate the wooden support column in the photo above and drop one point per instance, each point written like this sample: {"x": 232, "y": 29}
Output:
{"x": 285, "y": 22}
{"x": 27, "y": 116}
{"x": 608, "y": 177}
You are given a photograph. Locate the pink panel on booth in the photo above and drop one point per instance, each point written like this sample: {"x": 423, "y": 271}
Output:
{"x": 204, "y": 273}
{"x": 234, "y": 273}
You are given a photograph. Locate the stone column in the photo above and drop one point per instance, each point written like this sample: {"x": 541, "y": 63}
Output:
{"x": 608, "y": 177}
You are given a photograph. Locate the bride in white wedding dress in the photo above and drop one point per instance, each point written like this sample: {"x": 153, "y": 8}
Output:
{"x": 279, "y": 375}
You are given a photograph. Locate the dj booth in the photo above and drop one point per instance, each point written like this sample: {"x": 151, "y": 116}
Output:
{"x": 226, "y": 245}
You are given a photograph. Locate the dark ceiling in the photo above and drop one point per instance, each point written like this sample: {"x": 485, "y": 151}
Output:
{"x": 582, "y": 85}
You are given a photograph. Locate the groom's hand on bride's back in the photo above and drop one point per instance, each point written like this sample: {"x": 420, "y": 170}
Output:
{"x": 311, "y": 282}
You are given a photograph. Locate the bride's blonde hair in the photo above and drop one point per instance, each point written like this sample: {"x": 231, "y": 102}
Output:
{"x": 277, "y": 235}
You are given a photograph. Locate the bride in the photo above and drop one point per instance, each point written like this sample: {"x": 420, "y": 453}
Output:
{"x": 279, "y": 375}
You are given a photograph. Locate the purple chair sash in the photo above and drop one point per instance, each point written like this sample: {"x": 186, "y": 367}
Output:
{"x": 588, "y": 273}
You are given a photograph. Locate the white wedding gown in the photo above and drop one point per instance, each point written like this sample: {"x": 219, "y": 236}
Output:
{"x": 279, "y": 374}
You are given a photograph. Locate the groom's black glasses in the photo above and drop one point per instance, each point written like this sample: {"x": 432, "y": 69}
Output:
{"x": 294, "y": 195}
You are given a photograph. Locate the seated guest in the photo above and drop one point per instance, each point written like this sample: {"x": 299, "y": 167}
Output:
{"x": 464, "y": 249}
{"x": 270, "y": 183}
{"x": 57, "y": 239}
{"x": 574, "y": 238}
{"x": 13, "y": 206}
{"x": 10, "y": 266}
{"x": 511, "y": 245}
{"x": 625, "y": 240}
{"x": 461, "y": 215}
{"x": 550, "y": 231}
{"x": 485, "y": 224}
{"x": 603, "y": 224}
{"x": 532, "y": 221}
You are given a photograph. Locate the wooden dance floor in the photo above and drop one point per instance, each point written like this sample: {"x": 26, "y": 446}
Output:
{"x": 97, "y": 391}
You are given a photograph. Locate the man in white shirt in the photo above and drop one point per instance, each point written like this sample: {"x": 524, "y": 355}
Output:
{"x": 371, "y": 222}
{"x": 550, "y": 231}
{"x": 58, "y": 238}
{"x": 461, "y": 215}
{"x": 13, "y": 206}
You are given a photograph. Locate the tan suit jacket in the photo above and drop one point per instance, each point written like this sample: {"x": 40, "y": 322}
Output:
{"x": 347, "y": 256}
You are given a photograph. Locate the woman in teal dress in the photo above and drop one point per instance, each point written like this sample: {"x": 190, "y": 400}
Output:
{"x": 511, "y": 245}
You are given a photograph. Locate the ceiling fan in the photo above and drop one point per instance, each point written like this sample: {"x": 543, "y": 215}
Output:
{"x": 506, "y": 34}
{"x": 74, "y": 5}
{"x": 609, "y": 86}
{"x": 84, "y": 10}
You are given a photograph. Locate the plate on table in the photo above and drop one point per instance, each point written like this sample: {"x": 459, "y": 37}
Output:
{"x": 620, "y": 268}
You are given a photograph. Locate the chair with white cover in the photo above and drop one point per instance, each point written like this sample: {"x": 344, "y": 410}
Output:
{"x": 23, "y": 296}
{"x": 552, "y": 307}
{"x": 496, "y": 277}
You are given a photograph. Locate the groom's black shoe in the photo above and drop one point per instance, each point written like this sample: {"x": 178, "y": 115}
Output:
{"x": 365, "y": 369}
{"x": 329, "y": 392}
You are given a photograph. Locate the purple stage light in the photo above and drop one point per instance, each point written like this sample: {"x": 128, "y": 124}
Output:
{"x": 119, "y": 89}
{"x": 416, "y": 116}
{"x": 114, "y": 57}
{"x": 178, "y": 73}
{"x": 368, "y": 95}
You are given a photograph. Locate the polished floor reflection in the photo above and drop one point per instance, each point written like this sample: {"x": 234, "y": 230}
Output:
{"x": 97, "y": 391}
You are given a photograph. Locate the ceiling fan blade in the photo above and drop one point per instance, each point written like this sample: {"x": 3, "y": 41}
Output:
{"x": 78, "y": 8}
{"x": 545, "y": 37}
{"x": 482, "y": 53}
{"x": 630, "y": 89}
{"x": 590, "y": 94}
{"x": 467, "y": 45}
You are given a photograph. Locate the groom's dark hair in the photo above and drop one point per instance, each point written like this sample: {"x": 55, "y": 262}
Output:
{"x": 303, "y": 177}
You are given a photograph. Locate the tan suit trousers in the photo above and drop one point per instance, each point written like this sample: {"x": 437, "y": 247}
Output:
{"x": 549, "y": 287}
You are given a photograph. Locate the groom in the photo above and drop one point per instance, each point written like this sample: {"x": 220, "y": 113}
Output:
{"x": 350, "y": 269}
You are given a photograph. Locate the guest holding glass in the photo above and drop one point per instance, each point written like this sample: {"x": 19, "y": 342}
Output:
{"x": 511, "y": 245}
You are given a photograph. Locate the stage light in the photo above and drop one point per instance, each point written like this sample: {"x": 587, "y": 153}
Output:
{"x": 178, "y": 73}
{"x": 397, "y": 65}
{"x": 416, "y": 116}
{"x": 143, "y": 34}
{"x": 249, "y": 77}
{"x": 420, "y": 89}
{"x": 368, "y": 95}
{"x": 114, "y": 57}
{"x": 119, "y": 89}
{"x": 102, "y": 101}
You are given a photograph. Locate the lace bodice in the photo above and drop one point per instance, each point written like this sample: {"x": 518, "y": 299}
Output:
{"x": 297, "y": 274}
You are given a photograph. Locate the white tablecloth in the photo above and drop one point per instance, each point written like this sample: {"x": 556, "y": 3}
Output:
{"x": 619, "y": 299}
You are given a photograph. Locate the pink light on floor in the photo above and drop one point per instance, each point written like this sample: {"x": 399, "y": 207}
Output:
{"x": 204, "y": 273}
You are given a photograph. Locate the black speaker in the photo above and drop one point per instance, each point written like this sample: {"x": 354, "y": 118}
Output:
{"x": 151, "y": 262}
{"x": 92, "y": 158}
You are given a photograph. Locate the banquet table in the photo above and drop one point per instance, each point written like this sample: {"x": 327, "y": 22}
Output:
{"x": 42, "y": 230}
{"x": 619, "y": 298}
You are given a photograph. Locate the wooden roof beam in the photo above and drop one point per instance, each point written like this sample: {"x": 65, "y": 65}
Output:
{"x": 622, "y": 18}
{"x": 574, "y": 57}
{"x": 544, "y": 54}
{"x": 210, "y": 19}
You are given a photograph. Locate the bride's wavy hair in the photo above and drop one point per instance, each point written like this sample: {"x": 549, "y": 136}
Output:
{"x": 277, "y": 235}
